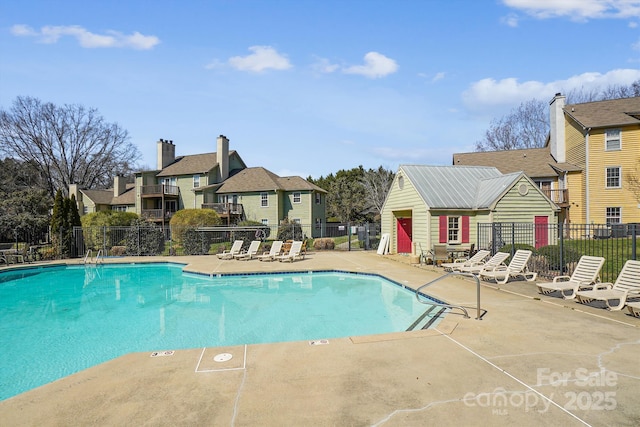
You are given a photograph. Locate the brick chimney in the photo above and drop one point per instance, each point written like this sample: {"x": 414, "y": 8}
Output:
{"x": 166, "y": 153}
{"x": 556, "y": 131}
{"x": 119, "y": 185}
{"x": 223, "y": 157}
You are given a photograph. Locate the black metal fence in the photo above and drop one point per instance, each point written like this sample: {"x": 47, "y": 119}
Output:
{"x": 151, "y": 239}
{"x": 558, "y": 247}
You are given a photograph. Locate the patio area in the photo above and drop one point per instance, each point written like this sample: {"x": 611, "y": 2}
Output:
{"x": 531, "y": 360}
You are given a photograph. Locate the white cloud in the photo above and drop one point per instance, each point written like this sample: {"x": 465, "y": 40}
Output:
{"x": 51, "y": 34}
{"x": 578, "y": 10}
{"x": 376, "y": 65}
{"x": 262, "y": 58}
{"x": 633, "y": 24}
{"x": 508, "y": 92}
{"x": 323, "y": 65}
{"x": 511, "y": 20}
{"x": 438, "y": 76}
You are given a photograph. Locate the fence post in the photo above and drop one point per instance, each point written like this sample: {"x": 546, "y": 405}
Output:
{"x": 634, "y": 235}
{"x": 513, "y": 238}
{"x": 560, "y": 232}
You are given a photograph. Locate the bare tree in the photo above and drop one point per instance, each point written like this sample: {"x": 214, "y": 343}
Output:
{"x": 70, "y": 144}
{"x": 527, "y": 125}
{"x": 633, "y": 181}
{"x": 376, "y": 185}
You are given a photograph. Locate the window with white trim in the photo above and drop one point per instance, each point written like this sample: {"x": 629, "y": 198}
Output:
{"x": 297, "y": 198}
{"x": 264, "y": 221}
{"x": 196, "y": 181}
{"x": 613, "y": 177}
{"x": 453, "y": 229}
{"x": 318, "y": 199}
{"x": 613, "y": 215}
{"x": 612, "y": 140}
{"x": 264, "y": 200}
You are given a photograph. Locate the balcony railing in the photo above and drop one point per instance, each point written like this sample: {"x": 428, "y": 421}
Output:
{"x": 225, "y": 208}
{"x": 160, "y": 189}
{"x": 156, "y": 214}
{"x": 557, "y": 196}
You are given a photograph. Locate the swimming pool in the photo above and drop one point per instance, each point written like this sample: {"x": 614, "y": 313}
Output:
{"x": 55, "y": 321}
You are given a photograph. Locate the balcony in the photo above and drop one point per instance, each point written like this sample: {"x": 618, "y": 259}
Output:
{"x": 559, "y": 197}
{"x": 156, "y": 214}
{"x": 226, "y": 210}
{"x": 160, "y": 190}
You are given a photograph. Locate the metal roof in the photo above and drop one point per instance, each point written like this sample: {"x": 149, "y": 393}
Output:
{"x": 458, "y": 187}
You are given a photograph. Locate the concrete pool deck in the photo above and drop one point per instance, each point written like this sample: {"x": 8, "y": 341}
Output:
{"x": 532, "y": 360}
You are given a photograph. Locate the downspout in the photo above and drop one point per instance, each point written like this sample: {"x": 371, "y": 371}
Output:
{"x": 586, "y": 188}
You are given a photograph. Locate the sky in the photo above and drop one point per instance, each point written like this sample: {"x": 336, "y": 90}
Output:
{"x": 309, "y": 88}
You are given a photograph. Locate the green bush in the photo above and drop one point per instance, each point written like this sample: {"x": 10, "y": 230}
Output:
{"x": 552, "y": 255}
{"x": 144, "y": 238}
{"x": 93, "y": 227}
{"x": 188, "y": 219}
{"x": 196, "y": 242}
{"x": 290, "y": 231}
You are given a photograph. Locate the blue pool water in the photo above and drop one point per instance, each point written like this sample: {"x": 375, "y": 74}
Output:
{"x": 58, "y": 320}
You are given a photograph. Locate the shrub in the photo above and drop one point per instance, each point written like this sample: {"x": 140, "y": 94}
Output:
{"x": 552, "y": 254}
{"x": 196, "y": 242}
{"x": 144, "y": 238}
{"x": 188, "y": 219}
{"x": 290, "y": 231}
{"x": 118, "y": 250}
{"x": 324, "y": 243}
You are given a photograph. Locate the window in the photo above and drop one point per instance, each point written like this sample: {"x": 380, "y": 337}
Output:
{"x": 264, "y": 221}
{"x": 264, "y": 200}
{"x": 614, "y": 216}
{"x": 196, "y": 181}
{"x": 612, "y": 140}
{"x": 297, "y": 198}
{"x": 453, "y": 229}
{"x": 318, "y": 223}
{"x": 318, "y": 199}
{"x": 613, "y": 177}
{"x": 119, "y": 208}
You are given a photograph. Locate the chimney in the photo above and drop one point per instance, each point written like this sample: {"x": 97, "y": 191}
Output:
{"x": 223, "y": 157}
{"x": 119, "y": 185}
{"x": 166, "y": 153}
{"x": 556, "y": 131}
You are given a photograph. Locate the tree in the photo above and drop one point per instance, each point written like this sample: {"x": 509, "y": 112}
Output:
{"x": 24, "y": 215}
{"x": 376, "y": 185}
{"x": 527, "y": 125}
{"x": 68, "y": 144}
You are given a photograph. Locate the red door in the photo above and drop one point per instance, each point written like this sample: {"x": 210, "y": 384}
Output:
{"x": 542, "y": 231}
{"x": 405, "y": 245}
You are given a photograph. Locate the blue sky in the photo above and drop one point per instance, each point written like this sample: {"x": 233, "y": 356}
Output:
{"x": 311, "y": 87}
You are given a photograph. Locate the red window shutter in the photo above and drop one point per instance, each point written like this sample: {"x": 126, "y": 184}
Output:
{"x": 465, "y": 229}
{"x": 443, "y": 229}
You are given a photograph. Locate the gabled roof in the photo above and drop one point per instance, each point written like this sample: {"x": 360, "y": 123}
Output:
{"x": 455, "y": 187}
{"x": 192, "y": 164}
{"x": 613, "y": 112}
{"x": 260, "y": 179}
{"x": 535, "y": 162}
{"x": 105, "y": 197}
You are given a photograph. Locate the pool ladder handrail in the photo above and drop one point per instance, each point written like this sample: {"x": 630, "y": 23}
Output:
{"x": 89, "y": 256}
{"x": 464, "y": 310}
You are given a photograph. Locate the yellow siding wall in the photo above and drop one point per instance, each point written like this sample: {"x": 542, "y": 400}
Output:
{"x": 405, "y": 202}
{"x": 628, "y": 159}
{"x": 576, "y": 154}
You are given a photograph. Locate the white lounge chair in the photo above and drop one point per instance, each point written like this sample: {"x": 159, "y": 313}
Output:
{"x": 294, "y": 252}
{"x": 583, "y": 278}
{"x": 276, "y": 247}
{"x": 476, "y": 259}
{"x": 235, "y": 250}
{"x": 497, "y": 259}
{"x": 517, "y": 267}
{"x": 249, "y": 253}
{"x": 627, "y": 286}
